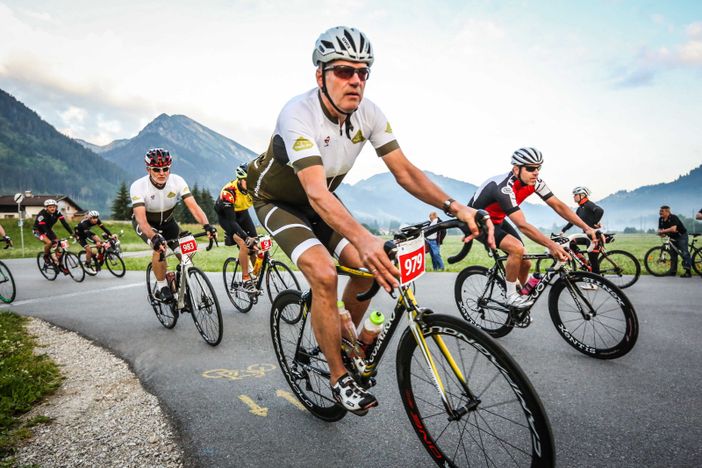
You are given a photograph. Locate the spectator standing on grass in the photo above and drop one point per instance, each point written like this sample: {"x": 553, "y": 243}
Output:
{"x": 433, "y": 241}
{"x": 671, "y": 226}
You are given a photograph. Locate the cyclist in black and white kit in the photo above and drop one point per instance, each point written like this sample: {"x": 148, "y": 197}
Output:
{"x": 317, "y": 138}
{"x": 591, "y": 214}
{"x": 43, "y": 228}
{"x": 83, "y": 233}
{"x": 501, "y": 196}
{"x": 154, "y": 198}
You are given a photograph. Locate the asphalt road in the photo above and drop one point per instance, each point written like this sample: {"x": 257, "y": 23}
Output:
{"x": 232, "y": 406}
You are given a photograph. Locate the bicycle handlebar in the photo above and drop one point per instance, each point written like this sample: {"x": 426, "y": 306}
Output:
{"x": 213, "y": 240}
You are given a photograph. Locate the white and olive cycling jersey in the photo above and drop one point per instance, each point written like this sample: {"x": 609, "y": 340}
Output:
{"x": 307, "y": 135}
{"x": 159, "y": 202}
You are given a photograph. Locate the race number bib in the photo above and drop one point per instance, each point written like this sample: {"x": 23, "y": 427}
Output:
{"x": 188, "y": 245}
{"x": 64, "y": 244}
{"x": 410, "y": 256}
{"x": 265, "y": 243}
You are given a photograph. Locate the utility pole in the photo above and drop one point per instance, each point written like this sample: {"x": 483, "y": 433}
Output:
{"x": 19, "y": 197}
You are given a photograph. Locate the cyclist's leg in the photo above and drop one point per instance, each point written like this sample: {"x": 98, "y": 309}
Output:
{"x": 349, "y": 257}
{"x": 246, "y": 223}
{"x": 157, "y": 266}
{"x": 510, "y": 239}
{"x": 682, "y": 244}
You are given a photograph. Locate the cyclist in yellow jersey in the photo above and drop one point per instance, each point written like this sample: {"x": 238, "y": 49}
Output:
{"x": 232, "y": 208}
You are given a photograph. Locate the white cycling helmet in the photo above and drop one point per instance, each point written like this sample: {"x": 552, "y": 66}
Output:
{"x": 527, "y": 157}
{"x": 342, "y": 43}
{"x": 581, "y": 190}
{"x": 50, "y": 202}
{"x": 93, "y": 214}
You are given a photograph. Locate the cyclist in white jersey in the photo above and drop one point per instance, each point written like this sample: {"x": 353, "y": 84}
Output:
{"x": 317, "y": 138}
{"x": 154, "y": 198}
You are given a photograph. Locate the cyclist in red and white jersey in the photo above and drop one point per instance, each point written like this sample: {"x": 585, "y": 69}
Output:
{"x": 501, "y": 196}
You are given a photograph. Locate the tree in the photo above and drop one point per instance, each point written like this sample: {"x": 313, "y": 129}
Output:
{"x": 121, "y": 209}
{"x": 206, "y": 202}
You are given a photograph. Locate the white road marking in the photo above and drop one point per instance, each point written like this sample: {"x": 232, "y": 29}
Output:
{"x": 64, "y": 296}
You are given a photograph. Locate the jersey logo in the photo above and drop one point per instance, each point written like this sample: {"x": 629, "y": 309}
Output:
{"x": 327, "y": 140}
{"x": 302, "y": 143}
{"x": 507, "y": 190}
{"x": 135, "y": 197}
{"x": 358, "y": 138}
{"x": 388, "y": 128}
{"x": 170, "y": 195}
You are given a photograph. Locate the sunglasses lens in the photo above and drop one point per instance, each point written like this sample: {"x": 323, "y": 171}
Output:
{"x": 345, "y": 73}
{"x": 532, "y": 168}
{"x": 158, "y": 170}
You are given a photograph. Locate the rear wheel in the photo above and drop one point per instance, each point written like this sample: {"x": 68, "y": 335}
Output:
{"x": 115, "y": 264}
{"x": 279, "y": 277}
{"x": 88, "y": 267}
{"x": 593, "y": 315}
{"x": 165, "y": 313}
{"x": 47, "y": 269}
{"x": 233, "y": 284}
{"x": 620, "y": 267}
{"x": 658, "y": 261}
{"x": 696, "y": 259}
{"x": 204, "y": 306}
{"x": 496, "y": 418}
{"x": 7, "y": 284}
{"x": 301, "y": 360}
{"x": 478, "y": 301}
{"x": 73, "y": 266}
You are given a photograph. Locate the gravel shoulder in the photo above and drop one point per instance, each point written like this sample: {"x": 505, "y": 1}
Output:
{"x": 102, "y": 416}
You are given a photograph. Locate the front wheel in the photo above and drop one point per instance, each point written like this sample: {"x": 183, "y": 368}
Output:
{"x": 491, "y": 414}
{"x": 696, "y": 259}
{"x": 279, "y": 277}
{"x": 88, "y": 267}
{"x": 165, "y": 313}
{"x": 234, "y": 285}
{"x": 7, "y": 285}
{"x": 73, "y": 266}
{"x": 301, "y": 360}
{"x": 593, "y": 315}
{"x": 620, "y": 267}
{"x": 658, "y": 261}
{"x": 115, "y": 264}
{"x": 204, "y": 306}
{"x": 47, "y": 269}
{"x": 478, "y": 299}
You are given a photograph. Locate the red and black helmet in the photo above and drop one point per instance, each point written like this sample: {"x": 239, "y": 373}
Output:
{"x": 158, "y": 157}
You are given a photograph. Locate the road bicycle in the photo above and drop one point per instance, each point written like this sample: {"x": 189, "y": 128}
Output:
{"x": 7, "y": 282}
{"x": 109, "y": 255}
{"x": 590, "y": 312}
{"x": 192, "y": 292}
{"x": 60, "y": 261}
{"x": 618, "y": 266}
{"x": 467, "y": 399}
{"x": 277, "y": 274}
{"x": 662, "y": 260}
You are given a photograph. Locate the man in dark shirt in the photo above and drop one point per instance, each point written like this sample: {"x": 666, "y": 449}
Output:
{"x": 44, "y": 223}
{"x": 84, "y": 234}
{"x": 671, "y": 226}
{"x": 698, "y": 216}
{"x": 591, "y": 214}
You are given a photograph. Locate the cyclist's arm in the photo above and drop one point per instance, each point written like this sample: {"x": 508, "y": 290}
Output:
{"x": 414, "y": 181}
{"x": 2, "y": 232}
{"x": 598, "y": 212}
{"x": 231, "y": 218}
{"x": 107, "y": 231}
{"x": 566, "y": 213}
{"x": 144, "y": 226}
{"x": 66, "y": 225}
{"x": 566, "y": 227}
{"x": 195, "y": 210}
{"x": 519, "y": 220}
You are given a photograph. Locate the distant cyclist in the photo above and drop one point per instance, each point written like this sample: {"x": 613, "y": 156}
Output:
{"x": 671, "y": 226}
{"x": 317, "y": 137}
{"x": 44, "y": 223}
{"x": 84, "y": 234}
{"x": 154, "y": 198}
{"x": 501, "y": 196}
{"x": 591, "y": 214}
{"x": 232, "y": 208}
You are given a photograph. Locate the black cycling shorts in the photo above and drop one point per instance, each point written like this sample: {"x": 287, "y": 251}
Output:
{"x": 501, "y": 231}
{"x": 84, "y": 237}
{"x": 169, "y": 230}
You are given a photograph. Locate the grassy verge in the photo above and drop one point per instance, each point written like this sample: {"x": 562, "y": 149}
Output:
{"x": 25, "y": 378}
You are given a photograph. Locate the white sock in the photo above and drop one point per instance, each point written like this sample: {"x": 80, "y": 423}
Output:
{"x": 161, "y": 284}
{"x": 511, "y": 287}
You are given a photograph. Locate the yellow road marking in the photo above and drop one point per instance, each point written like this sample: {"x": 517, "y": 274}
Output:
{"x": 291, "y": 399}
{"x": 253, "y": 407}
{"x": 254, "y": 370}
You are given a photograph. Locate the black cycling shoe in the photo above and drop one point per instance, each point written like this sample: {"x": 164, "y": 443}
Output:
{"x": 350, "y": 396}
{"x": 687, "y": 274}
{"x": 164, "y": 294}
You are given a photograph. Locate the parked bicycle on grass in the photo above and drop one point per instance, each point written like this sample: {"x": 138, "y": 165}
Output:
{"x": 467, "y": 399}
{"x": 191, "y": 291}
{"x": 278, "y": 276}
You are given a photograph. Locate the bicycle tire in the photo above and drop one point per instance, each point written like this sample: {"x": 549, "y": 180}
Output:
{"x": 468, "y": 289}
{"x": 696, "y": 259}
{"x": 508, "y": 425}
{"x": 8, "y": 289}
{"x": 279, "y": 277}
{"x": 48, "y": 271}
{"x": 115, "y": 264}
{"x": 615, "y": 264}
{"x": 166, "y": 314}
{"x": 89, "y": 270}
{"x": 658, "y": 261}
{"x": 299, "y": 362}
{"x": 204, "y": 305}
{"x": 610, "y": 333}
{"x": 240, "y": 299}
{"x": 72, "y": 264}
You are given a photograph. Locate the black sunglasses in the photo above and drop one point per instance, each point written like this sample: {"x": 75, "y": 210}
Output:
{"x": 532, "y": 168}
{"x": 345, "y": 72}
{"x": 158, "y": 170}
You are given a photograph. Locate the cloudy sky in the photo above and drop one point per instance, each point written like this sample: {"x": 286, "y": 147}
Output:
{"x": 610, "y": 91}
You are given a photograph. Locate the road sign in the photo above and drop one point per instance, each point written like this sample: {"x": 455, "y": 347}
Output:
{"x": 19, "y": 197}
